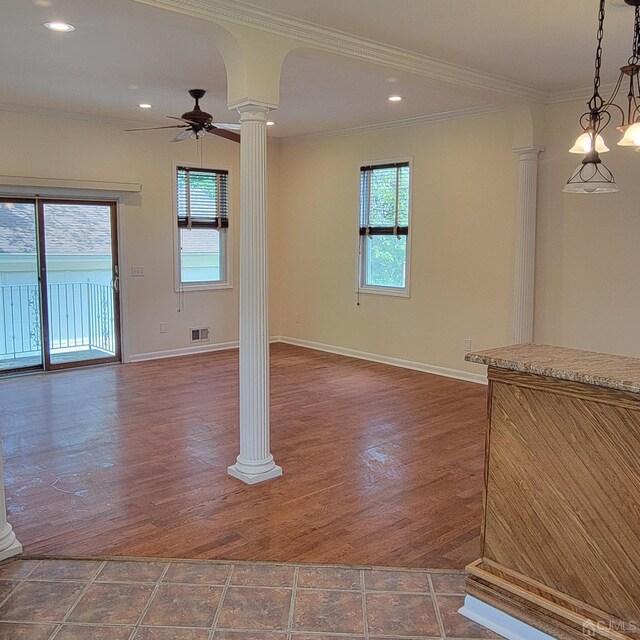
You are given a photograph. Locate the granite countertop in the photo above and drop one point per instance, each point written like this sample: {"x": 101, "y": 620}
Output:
{"x": 599, "y": 369}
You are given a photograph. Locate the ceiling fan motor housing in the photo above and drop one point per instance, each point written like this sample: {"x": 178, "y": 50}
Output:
{"x": 197, "y": 94}
{"x": 197, "y": 115}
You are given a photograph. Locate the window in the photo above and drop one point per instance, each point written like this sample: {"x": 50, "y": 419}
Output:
{"x": 203, "y": 219}
{"x": 384, "y": 228}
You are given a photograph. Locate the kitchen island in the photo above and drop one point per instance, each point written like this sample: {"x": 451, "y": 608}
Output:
{"x": 561, "y": 525}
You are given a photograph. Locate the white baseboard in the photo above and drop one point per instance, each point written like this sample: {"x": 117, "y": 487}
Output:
{"x": 318, "y": 346}
{"x": 478, "y": 378}
{"x": 500, "y": 622}
{"x": 184, "y": 351}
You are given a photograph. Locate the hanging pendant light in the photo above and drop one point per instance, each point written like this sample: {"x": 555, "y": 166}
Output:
{"x": 631, "y": 120}
{"x": 592, "y": 176}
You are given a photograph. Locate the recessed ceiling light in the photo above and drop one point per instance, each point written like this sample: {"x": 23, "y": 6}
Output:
{"x": 270, "y": 123}
{"x": 395, "y": 98}
{"x": 145, "y": 105}
{"x": 63, "y": 27}
{"x": 133, "y": 87}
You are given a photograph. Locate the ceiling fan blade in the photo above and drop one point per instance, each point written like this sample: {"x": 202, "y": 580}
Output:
{"x": 229, "y": 126}
{"x": 223, "y": 133}
{"x": 182, "y": 119}
{"x": 182, "y": 136}
{"x": 171, "y": 126}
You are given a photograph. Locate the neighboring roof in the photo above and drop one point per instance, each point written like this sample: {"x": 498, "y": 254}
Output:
{"x": 76, "y": 230}
{"x": 200, "y": 240}
{"x": 70, "y": 229}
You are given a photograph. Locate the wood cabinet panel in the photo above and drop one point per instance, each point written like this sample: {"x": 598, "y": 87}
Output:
{"x": 561, "y": 531}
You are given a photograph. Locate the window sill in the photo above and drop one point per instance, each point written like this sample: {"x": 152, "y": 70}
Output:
{"x": 385, "y": 291}
{"x": 204, "y": 286}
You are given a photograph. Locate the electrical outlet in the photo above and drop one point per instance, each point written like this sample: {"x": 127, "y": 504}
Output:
{"x": 137, "y": 272}
{"x": 467, "y": 344}
{"x": 297, "y": 319}
{"x": 163, "y": 327}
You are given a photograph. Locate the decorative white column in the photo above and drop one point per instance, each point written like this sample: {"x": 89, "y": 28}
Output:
{"x": 9, "y": 546}
{"x": 255, "y": 462}
{"x": 525, "y": 258}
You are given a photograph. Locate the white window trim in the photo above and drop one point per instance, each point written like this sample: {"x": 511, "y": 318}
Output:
{"x": 396, "y": 292}
{"x": 227, "y": 283}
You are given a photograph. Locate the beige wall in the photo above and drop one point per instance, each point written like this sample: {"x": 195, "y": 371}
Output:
{"x": 588, "y": 257}
{"x": 462, "y": 235}
{"x": 463, "y": 209}
{"x": 36, "y": 146}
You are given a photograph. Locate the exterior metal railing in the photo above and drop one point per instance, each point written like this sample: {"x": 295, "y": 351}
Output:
{"x": 80, "y": 317}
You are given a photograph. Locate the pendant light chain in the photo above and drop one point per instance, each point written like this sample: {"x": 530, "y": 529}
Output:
{"x": 635, "y": 57}
{"x": 596, "y": 102}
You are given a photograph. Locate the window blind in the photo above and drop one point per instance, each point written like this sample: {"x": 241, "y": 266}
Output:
{"x": 384, "y": 199}
{"x": 202, "y": 198}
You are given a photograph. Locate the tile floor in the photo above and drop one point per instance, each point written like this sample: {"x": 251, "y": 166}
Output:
{"x": 200, "y": 600}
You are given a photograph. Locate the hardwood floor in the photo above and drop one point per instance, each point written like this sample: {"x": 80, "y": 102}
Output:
{"x": 382, "y": 465}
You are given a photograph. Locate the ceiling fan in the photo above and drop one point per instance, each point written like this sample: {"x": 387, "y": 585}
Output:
{"x": 198, "y": 123}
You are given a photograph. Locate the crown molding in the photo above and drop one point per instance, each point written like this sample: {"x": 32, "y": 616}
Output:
{"x": 345, "y": 44}
{"x": 75, "y": 116}
{"x": 584, "y": 93}
{"x": 456, "y": 114}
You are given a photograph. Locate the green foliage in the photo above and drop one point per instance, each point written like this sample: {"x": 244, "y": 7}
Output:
{"x": 387, "y": 257}
{"x": 205, "y": 182}
{"x": 382, "y": 194}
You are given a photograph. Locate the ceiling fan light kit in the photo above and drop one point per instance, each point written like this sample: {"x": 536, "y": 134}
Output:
{"x": 197, "y": 123}
{"x": 592, "y": 176}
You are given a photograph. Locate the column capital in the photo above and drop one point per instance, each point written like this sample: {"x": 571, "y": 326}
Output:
{"x": 253, "y": 113}
{"x": 528, "y": 152}
{"x": 252, "y": 104}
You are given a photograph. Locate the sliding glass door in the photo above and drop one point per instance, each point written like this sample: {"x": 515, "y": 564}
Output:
{"x": 60, "y": 284}
{"x": 82, "y": 282}
{"x": 20, "y": 315}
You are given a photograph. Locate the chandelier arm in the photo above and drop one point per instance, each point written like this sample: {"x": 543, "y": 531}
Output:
{"x": 635, "y": 94}
{"x": 605, "y": 110}
{"x": 614, "y": 93}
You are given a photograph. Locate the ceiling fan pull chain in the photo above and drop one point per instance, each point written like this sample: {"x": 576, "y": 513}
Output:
{"x": 188, "y": 200}
{"x": 395, "y": 226}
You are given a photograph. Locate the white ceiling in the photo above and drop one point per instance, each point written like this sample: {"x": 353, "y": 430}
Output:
{"x": 545, "y": 45}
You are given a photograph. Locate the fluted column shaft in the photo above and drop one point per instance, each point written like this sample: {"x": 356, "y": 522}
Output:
{"x": 9, "y": 546}
{"x": 255, "y": 462}
{"x": 525, "y": 258}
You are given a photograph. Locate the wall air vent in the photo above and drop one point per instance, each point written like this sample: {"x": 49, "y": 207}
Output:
{"x": 200, "y": 334}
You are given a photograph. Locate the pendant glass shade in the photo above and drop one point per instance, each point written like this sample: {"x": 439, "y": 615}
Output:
{"x": 631, "y": 136}
{"x": 591, "y": 177}
{"x": 585, "y": 141}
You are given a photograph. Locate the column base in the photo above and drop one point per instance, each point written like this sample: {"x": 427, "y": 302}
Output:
{"x": 14, "y": 549}
{"x": 254, "y": 478}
